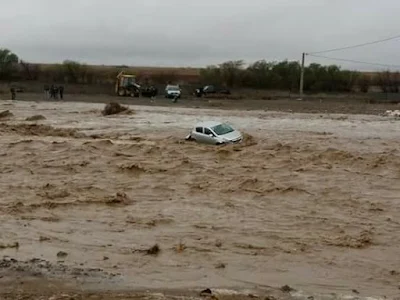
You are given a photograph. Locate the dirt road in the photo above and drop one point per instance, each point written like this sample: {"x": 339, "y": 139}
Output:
{"x": 325, "y": 104}
{"x": 121, "y": 203}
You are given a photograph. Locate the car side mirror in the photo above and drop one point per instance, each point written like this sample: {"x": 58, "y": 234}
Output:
{"x": 211, "y": 135}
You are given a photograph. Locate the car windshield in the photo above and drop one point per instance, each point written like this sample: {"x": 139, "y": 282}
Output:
{"x": 130, "y": 80}
{"x": 173, "y": 88}
{"x": 222, "y": 129}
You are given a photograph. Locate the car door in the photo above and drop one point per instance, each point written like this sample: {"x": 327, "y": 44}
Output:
{"x": 210, "y": 89}
{"x": 209, "y": 136}
{"x": 198, "y": 134}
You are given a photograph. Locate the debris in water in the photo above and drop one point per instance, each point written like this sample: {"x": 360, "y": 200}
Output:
{"x": 134, "y": 168}
{"x": 151, "y": 223}
{"x": 180, "y": 247}
{"x": 252, "y": 296}
{"x": 287, "y": 289}
{"x": 6, "y": 114}
{"x": 43, "y": 238}
{"x": 62, "y": 254}
{"x": 392, "y": 113}
{"x": 206, "y": 292}
{"x": 13, "y": 245}
{"x": 248, "y": 140}
{"x": 119, "y": 198}
{"x": 35, "y": 118}
{"x": 220, "y": 266}
{"x": 155, "y": 250}
{"x": 114, "y": 108}
{"x": 361, "y": 241}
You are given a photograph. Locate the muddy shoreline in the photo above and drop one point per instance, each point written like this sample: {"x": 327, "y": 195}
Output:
{"x": 333, "y": 105}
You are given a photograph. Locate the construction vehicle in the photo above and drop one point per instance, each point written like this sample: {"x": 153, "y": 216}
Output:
{"x": 126, "y": 85}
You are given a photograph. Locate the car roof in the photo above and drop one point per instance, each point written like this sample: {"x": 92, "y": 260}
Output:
{"x": 208, "y": 124}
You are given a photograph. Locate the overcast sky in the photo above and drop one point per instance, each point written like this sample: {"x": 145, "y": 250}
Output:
{"x": 197, "y": 32}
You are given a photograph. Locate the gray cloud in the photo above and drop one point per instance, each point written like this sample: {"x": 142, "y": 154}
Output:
{"x": 197, "y": 33}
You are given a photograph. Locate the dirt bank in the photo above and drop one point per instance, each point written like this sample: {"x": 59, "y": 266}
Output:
{"x": 325, "y": 104}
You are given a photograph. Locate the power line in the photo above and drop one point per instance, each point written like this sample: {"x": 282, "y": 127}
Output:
{"x": 357, "y": 46}
{"x": 346, "y": 60}
{"x": 355, "y": 61}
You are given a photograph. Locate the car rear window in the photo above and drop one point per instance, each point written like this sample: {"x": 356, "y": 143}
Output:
{"x": 199, "y": 129}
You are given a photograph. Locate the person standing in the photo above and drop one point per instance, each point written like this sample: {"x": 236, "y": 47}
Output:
{"x": 61, "y": 90}
{"x": 13, "y": 93}
{"x": 46, "y": 90}
{"x": 53, "y": 91}
{"x": 56, "y": 92}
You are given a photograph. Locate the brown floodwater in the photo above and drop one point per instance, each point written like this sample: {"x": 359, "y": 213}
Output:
{"x": 307, "y": 200}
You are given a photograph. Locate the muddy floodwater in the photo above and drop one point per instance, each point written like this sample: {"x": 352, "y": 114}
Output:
{"x": 123, "y": 202}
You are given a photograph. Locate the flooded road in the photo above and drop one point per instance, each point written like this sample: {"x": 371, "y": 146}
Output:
{"x": 308, "y": 200}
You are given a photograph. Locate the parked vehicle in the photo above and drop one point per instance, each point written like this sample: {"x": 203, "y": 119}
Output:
{"x": 173, "y": 91}
{"x": 126, "y": 85}
{"x": 149, "y": 91}
{"x": 215, "y": 133}
{"x": 211, "y": 89}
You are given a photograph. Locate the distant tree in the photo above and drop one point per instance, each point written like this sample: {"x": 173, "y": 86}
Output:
{"x": 211, "y": 75}
{"x": 388, "y": 82}
{"x": 345, "y": 81}
{"x": 395, "y": 82}
{"x": 163, "y": 77}
{"x": 287, "y": 74}
{"x": 259, "y": 75}
{"x": 8, "y": 64}
{"x": 30, "y": 71}
{"x": 312, "y": 77}
{"x": 231, "y": 72}
{"x": 74, "y": 72}
{"x": 364, "y": 82}
{"x": 284, "y": 75}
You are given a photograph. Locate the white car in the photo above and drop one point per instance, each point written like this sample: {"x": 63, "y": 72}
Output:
{"x": 215, "y": 133}
{"x": 172, "y": 91}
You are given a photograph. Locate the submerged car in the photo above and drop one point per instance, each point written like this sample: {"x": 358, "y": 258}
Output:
{"x": 172, "y": 91}
{"x": 215, "y": 133}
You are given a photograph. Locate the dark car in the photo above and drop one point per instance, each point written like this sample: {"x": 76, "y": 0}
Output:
{"x": 211, "y": 89}
{"x": 149, "y": 91}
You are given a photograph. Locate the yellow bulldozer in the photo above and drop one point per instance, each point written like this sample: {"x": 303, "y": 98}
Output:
{"x": 126, "y": 85}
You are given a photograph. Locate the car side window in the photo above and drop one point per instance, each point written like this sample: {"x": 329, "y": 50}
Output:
{"x": 199, "y": 129}
{"x": 207, "y": 131}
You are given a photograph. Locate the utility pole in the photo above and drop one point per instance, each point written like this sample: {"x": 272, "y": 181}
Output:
{"x": 302, "y": 76}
